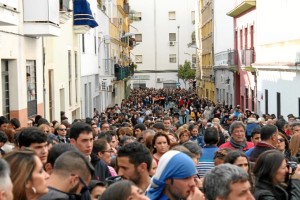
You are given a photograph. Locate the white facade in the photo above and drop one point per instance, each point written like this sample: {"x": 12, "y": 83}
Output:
{"x": 277, "y": 57}
{"x": 166, "y": 28}
{"x": 224, "y": 56}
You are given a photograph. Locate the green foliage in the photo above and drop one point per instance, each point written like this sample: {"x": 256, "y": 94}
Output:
{"x": 185, "y": 72}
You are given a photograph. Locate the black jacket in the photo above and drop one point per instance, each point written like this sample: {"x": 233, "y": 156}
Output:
{"x": 267, "y": 191}
{"x": 101, "y": 169}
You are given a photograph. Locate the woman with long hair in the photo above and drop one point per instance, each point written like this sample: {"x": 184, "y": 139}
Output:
{"x": 27, "y": 174}
{"x": 160, "y": 145}
{"x": 271, "y": 171}
{"x": 295, "y": 145}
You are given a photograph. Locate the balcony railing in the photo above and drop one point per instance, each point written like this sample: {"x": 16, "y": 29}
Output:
{"x": 226, "y": 58}
{"x": 122, "y": 72}
{"x": 247, "y": 57}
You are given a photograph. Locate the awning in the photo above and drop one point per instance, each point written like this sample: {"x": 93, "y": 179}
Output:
{"x": 83, "y": 15}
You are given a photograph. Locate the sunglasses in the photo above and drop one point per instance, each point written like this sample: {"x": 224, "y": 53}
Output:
{"x": 62, "y": 129}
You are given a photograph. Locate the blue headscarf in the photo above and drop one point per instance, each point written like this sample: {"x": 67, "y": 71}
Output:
{"x": 173, "y": 164}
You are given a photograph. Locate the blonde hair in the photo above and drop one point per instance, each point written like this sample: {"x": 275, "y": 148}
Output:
{"x": 295, "y": 144}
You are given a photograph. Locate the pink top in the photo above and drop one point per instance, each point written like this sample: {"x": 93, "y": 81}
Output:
{"x": 228, "y": 145}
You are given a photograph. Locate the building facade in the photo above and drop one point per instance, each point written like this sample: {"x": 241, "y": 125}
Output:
{"x": 164, "y": 33}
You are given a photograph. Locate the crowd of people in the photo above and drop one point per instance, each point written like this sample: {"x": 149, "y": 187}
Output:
{"x": 158, "y": 144}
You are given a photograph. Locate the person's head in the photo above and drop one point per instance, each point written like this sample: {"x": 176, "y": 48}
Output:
{"x": 123, "y": 190}
{"x": 211, "y": 136}
{"x": 174, "y": 176}
{"x": 153, "y": 167}
{"x": 158, "y": 127}
{"x": 295, "y": 128}
{"x": 271, "y": 166}
{"x": 96, "y": 189}
{"x": 6, "y": 186}
{"x": 104, "y": 127}
{"x": 55, "y": 152}
{"x": 173, "y": 137}
{"x": 239, "y": 159}
{"x": 74, "y": 169}
{"x": 27, "y": 174}
{"x": 269, "y": 133}
{"x": 3, "y": 138}
{"x": 283, "y": 143}
{"x": 81, "y": 136}
{"x": 103, "y": 150}
{"x": 3, "y": 123}
{"x": 167, "y": 123}
{"x": 138, "y": 129}
{"x": 295, "y": 144}
{"x": 227, "y": 181}
{"x": 35, "y": 139}
{"x": 237, "y": 130}
{"x": 125, "y": 131}
{"x": 61, "y": 130}
{"x": 194, "y": 148}
{"x": 134, "y": 162}
{"x": 220, "y": 155}
{"x": 160, "y": 143}
{"x": 256, "y": 135}
{"x": 146, "y": 133}
{"x": 45, "y": 128}
{"x": 15, "y": 123}
{"x": 184, "y": 136}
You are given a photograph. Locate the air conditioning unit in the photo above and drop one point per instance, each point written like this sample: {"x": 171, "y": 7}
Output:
{"x": 171, "y": 43}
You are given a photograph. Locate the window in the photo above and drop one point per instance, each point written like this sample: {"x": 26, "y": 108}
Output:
{"x": 138, "y": 37}
{"x": 278, "y": 104}
{"x": 247, "y": 97}
{"x": 246, "y": 38}
{"x": 172, "y": 36}
{"x": 253, "y": 99}
{"x": 193, "y": 17}
{"x": 251, "y": 37}
{"x": 70, "y": 76}
{"x": 31, "y": 87}
{"x": 76, "y": 76}
{"x": 172, "y": 15}
{"x": 172, "y": 58}
{"x": 241, "y": 39}
{"x": 194, "y": 59}
{"x": 5, "y": 89}
{"x": 83, "y": 45}
{"x": 138, "y": 58}
{"x": 266, "y": 101}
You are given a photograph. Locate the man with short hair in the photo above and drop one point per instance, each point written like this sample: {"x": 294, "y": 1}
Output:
{"x": 167, "y": 124}
{"x": 71, "y": 175}
{"x": 81, "y": 136}
{"x": 269, "y": 140}
{"x": 134, "y": 163}
{"x": 174, "y": 178}
{"x": 227, "y": 181}
{"x": 6, "y": 185}
{"x": 3, "y": 123}
{"x": 62, "y": 134}
{"x": 104, "y": 127}
{"x": 36, "y": 139}
{"x": 138, "y": 129}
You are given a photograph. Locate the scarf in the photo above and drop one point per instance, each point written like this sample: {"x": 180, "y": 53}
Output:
{"x": 240, "y": 145}
{"x": 173, "y": 164}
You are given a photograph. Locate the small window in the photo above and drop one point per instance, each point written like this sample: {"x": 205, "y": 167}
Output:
{"x": 193, "y": 17}
{"x": 194, "y": 58}
{"x": 139, "y": 58}
{"x": 138, "y": 37}
{"x": 172, "y": 36}
{"x": 172, "y": 15}
{"x": 172, "y": 58}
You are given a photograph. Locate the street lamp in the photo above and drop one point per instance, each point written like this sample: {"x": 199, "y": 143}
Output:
{"x": 178, "y": 27}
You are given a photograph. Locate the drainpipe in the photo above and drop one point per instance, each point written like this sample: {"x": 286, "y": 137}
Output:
{"x": 44, "y": 84}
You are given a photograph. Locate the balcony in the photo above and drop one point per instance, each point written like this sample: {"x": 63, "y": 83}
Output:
{"x": 122, "y": 72}
{"x": 65, "y": 11}
{"x": 42, "y": 19}
{"x": 226, "y": 58}
{"x": 247, "y": 57}
{"x": 242, "y": 7}
{"x": 9, "y": 13}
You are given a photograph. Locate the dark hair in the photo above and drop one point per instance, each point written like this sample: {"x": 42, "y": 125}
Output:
{"x": 267, "y": 165}
{"x": 31, "y": 135}
{"x": 57, "y": 150}
{"x": 211, "y": 136}
{"x": 3, "y": 137}
{"x": 73, "y": 161}
{"x": 267, "y": 131}
{"x": 255, "y": 131}
{"x": 235, "y": 154}
{"x": 280, "y": 123}
{"x": 3, "y": 120}
{"x": 100, "y": 145}
{"x": 140, "y": 126}
{"x": 159, "y": 134}
{"x": 15, "y": 122}
{"x": 137, "y": 154}
{"x": 79, "y": 128}
{"x": 193, "y": 147}
{"x": 120, "y": 190}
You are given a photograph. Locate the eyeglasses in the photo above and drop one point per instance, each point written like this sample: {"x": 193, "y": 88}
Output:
{"x": 109, "y": 151}
{"x": 62, "y": 129}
